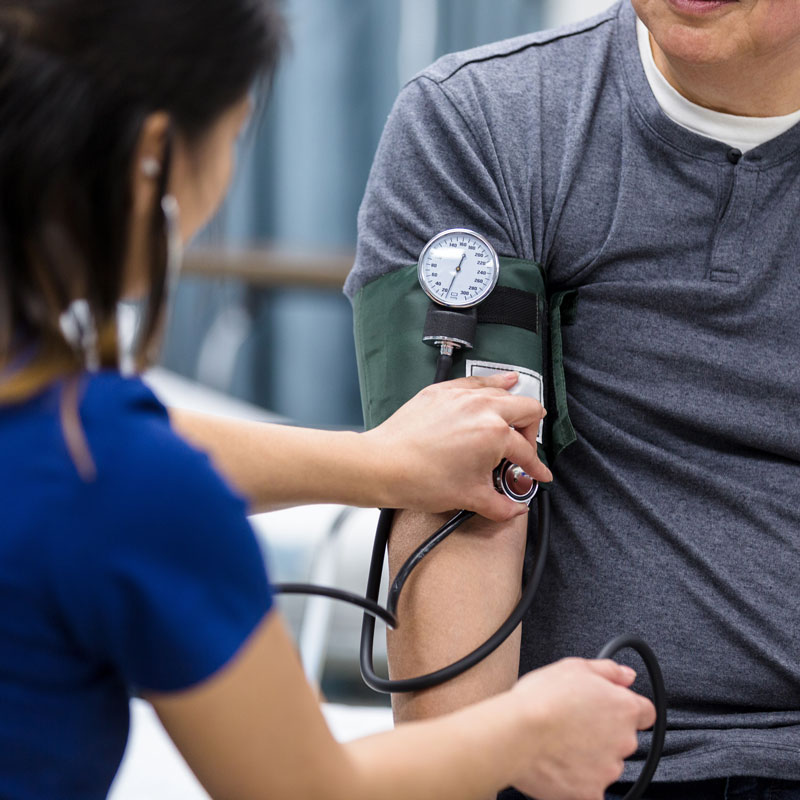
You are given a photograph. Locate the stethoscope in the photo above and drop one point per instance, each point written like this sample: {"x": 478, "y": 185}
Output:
{"x": 458, "y": 269}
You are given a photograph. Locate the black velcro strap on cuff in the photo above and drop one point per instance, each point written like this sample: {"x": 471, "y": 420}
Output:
{"x": 508, "y": 306}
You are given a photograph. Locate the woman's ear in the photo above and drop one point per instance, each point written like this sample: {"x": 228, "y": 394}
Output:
{"x": 148, "y": 162}
{"x": 145, "y": 181}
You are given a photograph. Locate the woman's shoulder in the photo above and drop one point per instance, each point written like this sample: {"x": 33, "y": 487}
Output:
{"x": 152, "y": 496}
{"x": 160, "y": 571}
{"x": 141, "y": 462}
{"x": 113, "y": 406}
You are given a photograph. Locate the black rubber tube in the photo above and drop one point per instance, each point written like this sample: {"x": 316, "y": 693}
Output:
{"x": 412, "y": 562}
{"x": 439, "y": 676}
{"x": 388, "y": 614}
{"x": 338, "y": 594}
{"x": 443, "y": 366}
{"x": 659, "y": 701}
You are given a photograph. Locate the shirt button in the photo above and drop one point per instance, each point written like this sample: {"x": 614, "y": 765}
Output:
{"x": 734, "y": 154}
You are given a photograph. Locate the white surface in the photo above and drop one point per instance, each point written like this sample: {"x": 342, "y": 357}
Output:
{"x": 529, "y": 384}
{"x": 179, "y": 392}
{"x": 153, "y": 769}
{"x": 293, "y": 540}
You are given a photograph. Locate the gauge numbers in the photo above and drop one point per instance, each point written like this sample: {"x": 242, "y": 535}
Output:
{"x": 458, "y": 268}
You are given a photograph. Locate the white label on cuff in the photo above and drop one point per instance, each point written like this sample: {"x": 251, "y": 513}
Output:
{"x": 530, "y": 383}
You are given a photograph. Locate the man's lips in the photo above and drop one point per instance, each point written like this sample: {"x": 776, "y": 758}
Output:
{"x": 696, "y": 7}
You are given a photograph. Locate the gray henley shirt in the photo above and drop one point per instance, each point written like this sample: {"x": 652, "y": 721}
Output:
{"x": 676, "y": 515}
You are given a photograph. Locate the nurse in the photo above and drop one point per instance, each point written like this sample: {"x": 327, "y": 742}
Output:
{"x": 127, "y": 566}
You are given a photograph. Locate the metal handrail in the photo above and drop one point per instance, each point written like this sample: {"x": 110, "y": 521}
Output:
{"x": 271, "y": 267}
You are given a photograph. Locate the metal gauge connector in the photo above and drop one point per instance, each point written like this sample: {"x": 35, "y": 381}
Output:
{"x": 458, "y": 268}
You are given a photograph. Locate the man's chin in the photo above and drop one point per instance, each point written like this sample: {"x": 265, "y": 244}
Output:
{"x": 693, "y": 45}
{"x": 705, "y": 36}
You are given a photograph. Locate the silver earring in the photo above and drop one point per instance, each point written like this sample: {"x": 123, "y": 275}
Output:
{"x": 151, "y": 167}
{"x": 78, "y": 328}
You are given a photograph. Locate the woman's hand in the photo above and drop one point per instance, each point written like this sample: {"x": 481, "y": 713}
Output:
{"x": 581, "y": 725}
{"x": 438, "y": 451}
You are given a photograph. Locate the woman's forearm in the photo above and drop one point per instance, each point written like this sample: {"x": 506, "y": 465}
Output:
{"x": 253, "y": 730}
{"x": 435, "y": 453}
{"x": 275, "y": 466}
{"x": 468, "y": 755}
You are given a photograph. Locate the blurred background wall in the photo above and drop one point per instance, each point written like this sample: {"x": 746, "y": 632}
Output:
{"x": 259, "y": 312}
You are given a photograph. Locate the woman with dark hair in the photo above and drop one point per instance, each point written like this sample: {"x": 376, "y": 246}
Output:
{"x": 127, "y": 565}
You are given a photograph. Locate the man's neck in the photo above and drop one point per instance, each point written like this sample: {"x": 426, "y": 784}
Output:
{"x": 767, "y": 87}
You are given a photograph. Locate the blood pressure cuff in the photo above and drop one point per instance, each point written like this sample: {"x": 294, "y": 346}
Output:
{"x": 394, "y": 363}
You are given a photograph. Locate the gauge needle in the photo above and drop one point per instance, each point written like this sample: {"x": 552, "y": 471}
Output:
{"x": 455, "y": 274}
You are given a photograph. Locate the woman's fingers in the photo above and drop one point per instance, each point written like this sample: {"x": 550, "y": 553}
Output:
{"x": 502, "y": 380}
{"x": 520, "y": 411}
{"x": 521, "y": 452}
{"x": 450, "y": 437}
{"x": 517, "y": 410}
{"x": 612, "y": 671}
{"x": 496, "y": 507}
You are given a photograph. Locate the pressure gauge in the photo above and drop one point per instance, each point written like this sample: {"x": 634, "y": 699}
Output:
{"x": 458, "y": 268}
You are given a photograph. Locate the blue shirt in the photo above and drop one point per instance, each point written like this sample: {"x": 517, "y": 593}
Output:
{"x": 148, "y": 578}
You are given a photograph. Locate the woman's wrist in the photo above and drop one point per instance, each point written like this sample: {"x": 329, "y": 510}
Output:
{"x": 503, "y": 732}
{"x": 349, "y": 468}
{"x": 519, "y": 724}
{"x": 472, "y": 753}
{"x": 374, "y": 472}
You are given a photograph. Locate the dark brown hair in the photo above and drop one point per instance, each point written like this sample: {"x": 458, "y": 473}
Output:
{"x": 78, "y": 79}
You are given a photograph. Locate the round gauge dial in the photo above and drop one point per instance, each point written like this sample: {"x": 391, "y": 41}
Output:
{"x": 458, "y": 268}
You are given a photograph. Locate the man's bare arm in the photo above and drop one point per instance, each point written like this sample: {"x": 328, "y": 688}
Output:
{"x": 452, "y": 603}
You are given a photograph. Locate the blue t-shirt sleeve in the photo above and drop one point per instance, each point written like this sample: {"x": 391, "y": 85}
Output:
{"x": 169, "y": 580}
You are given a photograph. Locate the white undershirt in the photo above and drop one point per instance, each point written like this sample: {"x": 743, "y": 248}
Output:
{"x": 742, "y": 132}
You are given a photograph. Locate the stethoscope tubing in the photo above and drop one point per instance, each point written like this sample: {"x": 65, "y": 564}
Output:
{"x": 431, "y": 679}
{"x": 651, "y": 664}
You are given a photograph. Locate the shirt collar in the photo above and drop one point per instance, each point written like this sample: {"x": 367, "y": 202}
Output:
{"x": 690, "y": 141}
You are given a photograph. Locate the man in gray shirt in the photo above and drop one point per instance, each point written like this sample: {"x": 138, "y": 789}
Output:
{"x": 653, "y": 164}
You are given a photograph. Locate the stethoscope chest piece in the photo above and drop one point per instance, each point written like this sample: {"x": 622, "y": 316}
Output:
{"x": 512, "y": 481}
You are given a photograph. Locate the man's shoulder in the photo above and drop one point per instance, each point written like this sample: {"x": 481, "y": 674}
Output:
{"x": 548, "y": 49}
